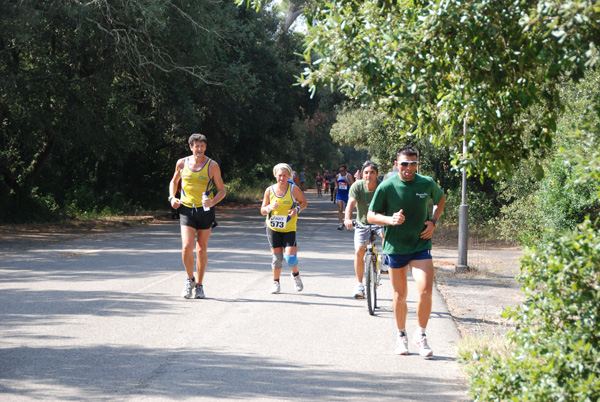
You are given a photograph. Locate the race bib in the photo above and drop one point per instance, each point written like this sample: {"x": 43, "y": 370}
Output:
{"x": 343, "y": 186}
{"x": 278, "y": 221}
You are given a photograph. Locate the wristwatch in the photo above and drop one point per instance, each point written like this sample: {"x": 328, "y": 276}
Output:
{"x": 170, "y": 198}
{"x": 434, "y": 221}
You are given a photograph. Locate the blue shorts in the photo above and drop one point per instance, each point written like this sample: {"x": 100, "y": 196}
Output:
{"x": 343, "y": 196}
{"x": 402, "y": 260}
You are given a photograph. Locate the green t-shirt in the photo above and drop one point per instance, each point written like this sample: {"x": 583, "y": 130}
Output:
{"x": 412, "y": 197}
{"x": 358, "y": 191}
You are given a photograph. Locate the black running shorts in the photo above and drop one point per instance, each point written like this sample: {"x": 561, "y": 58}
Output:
{"x": 281, "y": 239}
{"x": 197, "y": 218}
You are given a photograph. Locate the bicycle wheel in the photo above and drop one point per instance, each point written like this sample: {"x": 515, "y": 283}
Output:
{"x": 371, "y": 285}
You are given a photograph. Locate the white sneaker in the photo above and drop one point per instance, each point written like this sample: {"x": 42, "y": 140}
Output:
{"x": 276, "y": 288}
{"x": 402, "y": 345}
{"x": 421, "y": 342}
{"x": 190, "y": 285}
{"x": 199, "y": 292}
{"x": 297, "y": 282}
{"x": 359, "y": 291}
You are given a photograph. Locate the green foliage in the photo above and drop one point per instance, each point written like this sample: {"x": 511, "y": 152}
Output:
{"x": 97, "y": 99}
{"x": 556, "y": 345}
{"x": 482, "y": 207}
{"x": 567, "y": 193}
{"x": 240, "y": 191}
{"x": 429, "y": 64}
{"x": 313, "y": 148}
{"x": 366, "y": 129}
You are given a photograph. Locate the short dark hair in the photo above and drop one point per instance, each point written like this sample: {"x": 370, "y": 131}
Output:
{"x": 197, "y": 137}
{"x": 408, "y": 151}
{"x": 371, "y": 164}
{"x": 342, "y": 166}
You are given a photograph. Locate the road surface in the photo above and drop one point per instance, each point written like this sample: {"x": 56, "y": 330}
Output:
{"x": 102, "y": 318}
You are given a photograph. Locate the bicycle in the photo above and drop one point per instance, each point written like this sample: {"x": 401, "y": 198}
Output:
{"x": 372, "y": 270}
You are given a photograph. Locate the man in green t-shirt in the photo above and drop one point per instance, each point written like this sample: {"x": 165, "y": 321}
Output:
{"x": 401, "y": 205}
{"x": 360, "y": 196}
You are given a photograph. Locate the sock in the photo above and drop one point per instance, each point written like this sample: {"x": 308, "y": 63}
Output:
{"x": 276, "y": 280}
{"x": 420, "y": 331}
{"x": 296, "y": 273}
{"x": 402, "y": 332}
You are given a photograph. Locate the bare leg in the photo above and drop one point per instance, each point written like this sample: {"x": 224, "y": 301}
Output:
{"x": 398, "y": 277}
{"x": 359, "y": 263}
{"x": 292, "y": 251}
{"x": 188, "y": 235}
{"x": 276, "y": 272}
{"x": 201, "y": 254}
{"x": 423, "y": 272}
{"x": 340, "y": 210}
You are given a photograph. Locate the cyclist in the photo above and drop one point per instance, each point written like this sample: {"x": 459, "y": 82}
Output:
{"x": 401, "y": 204}
{"x": 282, "y": 203}
{"x": 343, "y": 181}
{"x": 360, "y": 196}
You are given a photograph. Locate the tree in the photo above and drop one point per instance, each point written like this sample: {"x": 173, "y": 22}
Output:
{"x": 98, "y": 98}
{"x": 431, "y": 64}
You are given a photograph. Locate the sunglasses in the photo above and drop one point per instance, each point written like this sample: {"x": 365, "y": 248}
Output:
{"x": 407, "y": 163}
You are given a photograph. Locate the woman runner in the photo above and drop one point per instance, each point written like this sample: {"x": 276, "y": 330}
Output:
{"x": 282, "y": 203}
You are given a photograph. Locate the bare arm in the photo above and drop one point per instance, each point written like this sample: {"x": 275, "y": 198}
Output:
{"x": 375, "y": 218}
{"x": 174, "y": 184}
{"x": 348, "y": 212}
{"x": 266, "y": 206}
{"x": 218, "y": 180}
{"x": 437, "y": 212}
{"x": 299, "y": 196}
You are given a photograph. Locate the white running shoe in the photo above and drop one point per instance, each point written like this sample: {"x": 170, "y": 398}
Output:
{"x": 421, "y": 342}
{"x": 402, "y": 345}
{"x": 276, "y": 288}
{"x": 297, "y": 282}
{"x": 359, "y": 291}
{"x": 190, "y": 284}
{"x": 199, "y": 292}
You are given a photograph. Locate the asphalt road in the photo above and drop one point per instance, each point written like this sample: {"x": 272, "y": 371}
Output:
{"x": 102, "y": 318}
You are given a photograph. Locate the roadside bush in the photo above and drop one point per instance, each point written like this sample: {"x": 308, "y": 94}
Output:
{"x": 239, "y": 191}
{"x": 23, "y": 208}
{"x": 482, "y": 209}
{"x": 561, "y": 199}
{"x": 556, "y": 345}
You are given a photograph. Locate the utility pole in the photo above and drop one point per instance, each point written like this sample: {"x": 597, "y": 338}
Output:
{"x": 463, "y": 214}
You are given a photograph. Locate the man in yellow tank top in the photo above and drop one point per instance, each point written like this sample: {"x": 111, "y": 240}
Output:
{"x": 197, "y": 174}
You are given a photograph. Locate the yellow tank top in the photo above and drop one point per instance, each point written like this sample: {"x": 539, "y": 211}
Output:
{"x": 195, "y": 183}
{"x": 278, "y": 219}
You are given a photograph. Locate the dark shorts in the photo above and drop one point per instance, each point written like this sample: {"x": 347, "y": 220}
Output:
{"x": 281, "y": 239}
{"x": 402, "y": 260}
{"x": 197, "y": 218}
